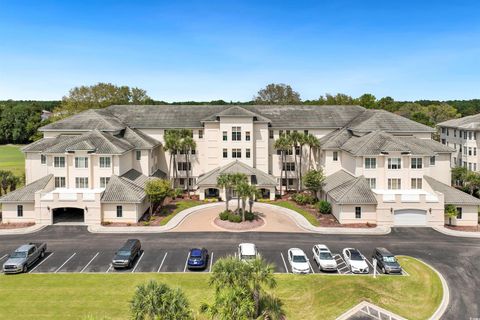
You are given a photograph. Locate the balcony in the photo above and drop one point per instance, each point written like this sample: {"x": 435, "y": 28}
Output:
{"x": 406, "y": 196}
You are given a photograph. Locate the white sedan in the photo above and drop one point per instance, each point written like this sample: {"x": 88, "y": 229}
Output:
{"x": 323, "y": 257}
{"x": 298, "y": 261}
{"x": 247, "y": 251}
{"x": 355, "y": 260}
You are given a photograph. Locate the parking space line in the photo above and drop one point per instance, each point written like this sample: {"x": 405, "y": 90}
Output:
{"x": 51, "y": 254}
{"x": 3, "y": 257}
{"x": 163, "y": 260}
{"x": 284, "y": 263}
{"x": 311, "y": 267}
{"x": 109, "y": 267}
{"x": 138, "y": 262}
{"x": 211, "y": 262}
{"x": 73, "y": 255}
{"x": 81, "y": 271}
{"x": 186, "y": 262}
{"x": 371, "y": 265}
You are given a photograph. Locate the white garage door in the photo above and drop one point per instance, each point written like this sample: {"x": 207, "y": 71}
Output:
{"x": 410, "y": 217}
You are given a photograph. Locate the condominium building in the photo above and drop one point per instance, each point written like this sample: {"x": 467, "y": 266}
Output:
{"x": 381, "y": 168}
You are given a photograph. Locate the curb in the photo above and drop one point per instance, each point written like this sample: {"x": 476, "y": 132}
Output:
{"x": 27, "y": 230}
{"x": 454, "y": 233}
{"x": 438, "y": 314}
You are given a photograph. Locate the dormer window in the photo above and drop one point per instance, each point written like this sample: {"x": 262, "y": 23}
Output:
{"x": 394, "y": 163}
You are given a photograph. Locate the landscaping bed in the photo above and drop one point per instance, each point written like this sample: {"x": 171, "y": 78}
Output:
{"x": 16, "y": 225}
{"x": 464, "y": 228}
{"x": 245, "y": 225}
{"x": 315, "y": 296}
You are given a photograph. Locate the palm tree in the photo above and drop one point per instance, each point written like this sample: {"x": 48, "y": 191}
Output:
{"x": 225, "y": 181}
{"x": 172, "y": 145}
{"x": 14, "y": 182}
{"x": 155, "y": 300}
{"x": 243, "y": 191}
{"x": 271, "y": 308}
{"x": 302, "y": 141}
{"x": 228, "y": 272}
{"x": 253, "y": 194}
{"x": 238, "y": 179}
{"x": 450, "y": 212}
{"x": 187, "y": 144}
{"x": 472, "y": 181}
{"x": 295, "y": 138}
{"x": 230, "y": 303}
{"x": 458, "y": 175}
{"x": 5, "y": 179}
{"x": 261, "y": 274}
{"x": 282, "y": 144}
{"x": 313, "y": 143}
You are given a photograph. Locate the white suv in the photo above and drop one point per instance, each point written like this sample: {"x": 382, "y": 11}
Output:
{"x": 323, "y": 257}
{"x": 247, "y": 251}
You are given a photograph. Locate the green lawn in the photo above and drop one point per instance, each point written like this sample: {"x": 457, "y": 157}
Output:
{"x": 181, "y": 205}
{"x": 12, "y": 159}
{"x": 290, "y": 205}
{"x": 74, "y": 296}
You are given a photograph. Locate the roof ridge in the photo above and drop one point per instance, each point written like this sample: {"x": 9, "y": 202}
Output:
{"x": 373, "y": 134}
{"x": 103, "y": 135}
{"x": 357, "y": 180}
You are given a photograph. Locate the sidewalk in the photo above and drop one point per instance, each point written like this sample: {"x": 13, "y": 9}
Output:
{"x": 31, "y": 229}
{"x": 455, "y": 233}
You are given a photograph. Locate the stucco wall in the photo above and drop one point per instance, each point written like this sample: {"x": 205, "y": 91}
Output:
{"x": 9, "y": 213}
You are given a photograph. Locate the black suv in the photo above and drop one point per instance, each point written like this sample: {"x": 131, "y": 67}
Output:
{"x": 386, "y": 261}
{"x": 127, "y": 254}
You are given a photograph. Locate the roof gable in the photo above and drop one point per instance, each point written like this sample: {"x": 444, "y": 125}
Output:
{"x": 27, "y": 193}
{"x": 100, "y": 119}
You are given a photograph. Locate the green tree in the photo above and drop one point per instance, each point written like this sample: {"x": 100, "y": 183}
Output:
{"x": 441, "y": 112}
{"x": 277, "y": 94}
{"x": 172, "y": 145}
{"x": 458, "y": 175}
{"x": 302, "y": 142}
{"x": 157, "y": 301}
{"x": 450, "y": 212}
{"x": 386, "y": 103}
{"x": 187, "y": 145}
{"x": 314, "y": 180}
{"x": 237, "y": 180}
{"x": 225, "y": 181}
{"x": 261, "y": 276}
{"x": 367, "y": 100}
{"x": 283, "y": 145}
{"x": 157, "y": 190}
{"x": 313, "y": 144}
{"x": 295, "y": 138}
{"x": 5, "y": 180}
{"x": 246, "y": 191}
{"x": 472, "y": 181}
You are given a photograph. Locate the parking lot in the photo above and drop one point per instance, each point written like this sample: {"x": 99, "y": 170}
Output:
{"x": 153, "y": 259}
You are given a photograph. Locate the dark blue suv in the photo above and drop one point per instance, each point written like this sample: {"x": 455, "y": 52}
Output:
{"x": 197, "y": 258}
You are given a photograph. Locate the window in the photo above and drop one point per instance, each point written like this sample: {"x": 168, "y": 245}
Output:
{"x": 225, "y": 135}
{"x": 200, "y": 134}
{"x": 19, "y": 210}
{"x": 289, "y": 166}
{"x": 448, "y": 131}
{"x": 394, "y": 163}
{"x": 469, "y": 151}
{"x": 465, "y": 135}
{"x": 119, "y": 211}
{"x": 455, "y": 160}
{"x": 290, "y": 182}
{"x": 59, "y": 162}
{"x": 191, "y": 181}
{"x": 59, "y": 182}
{"x": 454, "y": 132}
{"x": 280, "y": 133}
{"x": 297, "y": 151}
{"x": 236, "y": 153}
{"x": 335, "y": 155}
{"x": 474, "y": 151}
{"x": 287, "y": 132}
{"x": 236, "y": 134}
{"x": 247, "y": 153}
{"x": 370, "y": 163}
{"x": 81, "y": 182}
{"x": 105, "y": 162}
{"x": 444, "y": 141}
{"x": 182, "y": 181}
{"x": 470, "y": 166}
{"x": 464, "y": 164}
{"x": 416, "y": 183}
{"x": 394, "y": 184}
{"x": 270, "y": 134}
{"x": 43, "y": 159}
{"x": 81, "y": 162}
{"x": 104, "y": 181}
{"x": 416, "y": 163}
{"x": 432, "y": 160}
{"x": 372, "y": 183}
{"x": 443, "y": 130}
{"x": 225, "y": 153}
{"x": 138, "y": 154}
{"x": 358, "y": 212}
{"x": 469, "y": 135}
{"x": 182, "y": 166}
{"x": 305, "y": 132}
{"x": 459, "y": 213}
{"x": 247, "y": 135}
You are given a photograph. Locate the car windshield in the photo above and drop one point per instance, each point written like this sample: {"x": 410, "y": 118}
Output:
{"x": 123, "y": 253}
{"x": 18, "y": 254}
{"x": 355, "y": 255}
{"x": 390, "y": 259}
{"x": 196, "y": 254}
{"x": 325, "y": 256}
{"x": 299, "y": 259}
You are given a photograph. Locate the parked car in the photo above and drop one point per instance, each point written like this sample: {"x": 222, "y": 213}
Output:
{"x": 127, "y": 254}
{"x": 24, "y": 257}
{"x": 247, "y": 251}
{"x": 323, "y": 257}
{"x": 298, "y": 261}
{"x": 197, "y": 258}
{"x": 355, "y": 260}
{"x": 386, "y": 261}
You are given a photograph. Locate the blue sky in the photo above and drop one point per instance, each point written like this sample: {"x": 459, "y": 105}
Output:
{"x": 205, "y": 50}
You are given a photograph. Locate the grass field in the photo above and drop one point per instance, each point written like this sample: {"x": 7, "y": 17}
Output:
{"x": 75, "y": 296}
{"x": 289, "y": 205}
{"x": 11, "y": 158}
{"x": 180, "y": 206}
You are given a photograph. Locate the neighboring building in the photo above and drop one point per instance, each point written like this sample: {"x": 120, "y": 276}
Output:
{"x": 461, "y": 135}
{"x": 382, "y": 168}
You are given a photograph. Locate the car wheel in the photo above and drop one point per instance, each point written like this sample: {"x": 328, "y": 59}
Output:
{"x": 25, "y": 268}
{"x": 42, "y": 254}
{"x": 383, "y": 270}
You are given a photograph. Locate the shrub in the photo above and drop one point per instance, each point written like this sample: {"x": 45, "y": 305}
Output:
{"x": 177, "y": 193}
{"x": 224, "y": 215}
{"x": 146, "y": 223}
{"x": 249, "y": 216}
{"x": 303, "y": 198}
{"x": 324, "y": 207}
{"x": 234, "y": 218}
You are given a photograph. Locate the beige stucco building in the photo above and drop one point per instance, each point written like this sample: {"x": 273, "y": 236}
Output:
{"x": 381, "y": 168}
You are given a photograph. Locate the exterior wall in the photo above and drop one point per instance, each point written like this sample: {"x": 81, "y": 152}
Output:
{"x": 468, "y": 148}
{"x": 9, "y": 213}
{"x": 345, "y": 214}
{"x": 469, "y": 216}
{"x": 132, "y": 212}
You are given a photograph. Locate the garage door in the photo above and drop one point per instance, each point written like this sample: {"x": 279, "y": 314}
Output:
{"x": 410, "y": 217}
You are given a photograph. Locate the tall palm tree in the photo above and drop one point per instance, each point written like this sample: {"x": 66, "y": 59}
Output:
{"x": 295, "y": 137}
{"x": 282, "y": 144}
{"x": 187, "y": 145}
{"x": 271, "y": 308}
{"x": 472, "y": 181}
{"x": 5, "y": 179}
{"x": 244, "y": 191}
{"x": 172, "y": 145}
{"x": 261, "y": 275}
{"x": 238, "y": 179}
{"x": 14, "y": 182}
{"x": 225, "y": 181}
{"x": 302, "y": 141}
{"x": 313, "y": 143}
{"x": 155, "y": 300}
{"x": 253, "y": 194}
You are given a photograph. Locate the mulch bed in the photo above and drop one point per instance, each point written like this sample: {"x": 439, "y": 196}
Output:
{"x": 16, "y": 225}
{"x": 241, "y": 226}
{"x": 464, "y": 228}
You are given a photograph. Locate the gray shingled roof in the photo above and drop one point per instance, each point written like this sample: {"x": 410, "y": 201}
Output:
{"x": 159, "y": 174}
{"x": 47, "y": 143}
{"x": 27, "y": 193}
{"x": 236, "y": 111}
{"x": 257, "y": 177}
{"x": 451, "y": 194}
{"x": 336, "y": 179}
{"x": 135, "y": 177}
{"x": 100, "y": 119}
{"x": 122, "y": 190}
{"x": 372, "y": 120}
{"x": 469, "y": 122}
{"x": 139, "y": 139}
{"x": 378, "y": 142}
{"x": 335, "y": 139}
{"x": 353, "y": 191}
